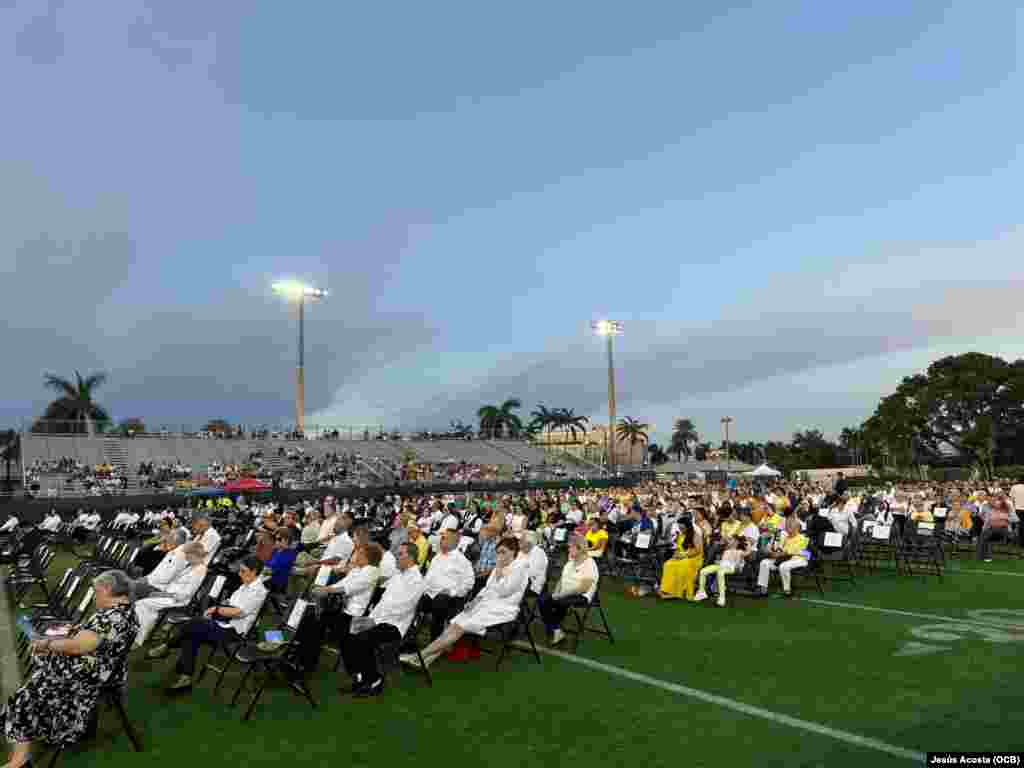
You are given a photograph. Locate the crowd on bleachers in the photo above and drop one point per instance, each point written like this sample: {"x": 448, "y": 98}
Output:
{"x": 69, "y": 475}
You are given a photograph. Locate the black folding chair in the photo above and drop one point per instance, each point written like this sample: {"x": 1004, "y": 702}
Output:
{"x": 284, "y": 662}
{"x": 582, "y": 614}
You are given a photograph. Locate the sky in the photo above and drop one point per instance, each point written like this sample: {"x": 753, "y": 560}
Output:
{"x": 789, "y": 205}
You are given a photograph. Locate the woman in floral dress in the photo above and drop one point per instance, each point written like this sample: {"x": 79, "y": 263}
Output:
{"x": 55, "y": 704}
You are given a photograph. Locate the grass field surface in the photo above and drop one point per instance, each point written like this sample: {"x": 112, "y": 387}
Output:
{"x": 875, "y": 673}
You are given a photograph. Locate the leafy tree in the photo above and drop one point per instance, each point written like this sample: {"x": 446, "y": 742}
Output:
{"x": 632, "y": 431}
{"x": 684, "y": 436}
{"x": 543, "y": 420}
{"x": 217, "y": 427}
{"x": 567, "y": 420}
{"x": 656, "y": 455}
{"x": 132, "y": 426}
{"x": 496, "y": 420}
{"x": 10, "y": 452}
{"x": 971, "y": 402}
{"x": 74, "y": 411}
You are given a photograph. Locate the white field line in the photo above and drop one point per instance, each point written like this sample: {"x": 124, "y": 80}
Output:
{"x": 911, "y": 614}
{"x": 980, "y": 572}
{"x": 738, "y": 706}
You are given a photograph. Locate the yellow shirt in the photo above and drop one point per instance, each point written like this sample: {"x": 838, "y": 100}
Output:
{"x": 598, "y": 541}
{"x": 773, "y": 521}
{"x": 422, "y": 546}
{"x": 794, "y": 545}
{"x": 731, "y": 528}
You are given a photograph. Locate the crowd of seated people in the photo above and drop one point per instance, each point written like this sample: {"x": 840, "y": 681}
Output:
{"x": 96, "y": 480}
{"x": 164, "y": 473}
{"x": 466, "y": 564}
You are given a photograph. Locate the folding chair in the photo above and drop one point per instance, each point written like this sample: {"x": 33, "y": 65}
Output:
{"x": 581, "y": 614}
{"x": 111, "y": 693}
{"x": 919, "y": 546}
{"x": 835, "y": 548}
{"x": 194, "y": 607}
{"x": 227, "y": 649}
{"x": 387, "y": 653}
{"x": 508, "y": 635}
{"x": 283, "y": 663}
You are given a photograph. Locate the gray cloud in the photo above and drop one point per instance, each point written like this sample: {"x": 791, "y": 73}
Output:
{"x": 735, "y": 352}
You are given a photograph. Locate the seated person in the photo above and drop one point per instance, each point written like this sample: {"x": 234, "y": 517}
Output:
{"x": 282, "y": 560}
{"x": 496, "y": 604}
{"x": 168, "y": 569}
{"x": 680, "y": 573}
{"x": 222, "y": 623}
{"x": 785, "y": 559}
{"x": 388, "y": 623}
{"x": 732, "y": 560}
{"x": 57, "y": 701}
{"x": 177, "y": 592}
{"x": 422, "y": 544}
{"x": 597, "y": 538}
{"x": 576, "y": 587}
{"x": 52, "y": 522}
{"x": 536, "y": 561}
{"x": 9, "y": 525}
{"x": 355, "y": 589}
{"x": 448, "y": 581}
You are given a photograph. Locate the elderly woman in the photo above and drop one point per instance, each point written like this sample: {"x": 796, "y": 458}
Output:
{"x": 498, "y": 603}
{"x": 56, "y": 702}
{"x": 177, "y": 592}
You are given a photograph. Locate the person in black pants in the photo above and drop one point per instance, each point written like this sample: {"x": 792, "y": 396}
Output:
{"x": 221, "y": 624}
{"x": 390, "y": 618}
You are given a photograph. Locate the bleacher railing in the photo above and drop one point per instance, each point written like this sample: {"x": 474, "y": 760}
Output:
{"x": 241, "y": 431}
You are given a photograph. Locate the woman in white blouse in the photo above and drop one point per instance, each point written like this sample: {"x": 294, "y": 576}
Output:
{"x": 497, "y": 603}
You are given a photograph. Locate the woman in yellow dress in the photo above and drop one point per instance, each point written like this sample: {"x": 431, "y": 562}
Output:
{"x": 680, "y": 573}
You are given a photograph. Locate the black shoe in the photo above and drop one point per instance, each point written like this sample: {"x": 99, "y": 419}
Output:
{"x": 374, "y": 689}
{"x": 357, "y": 685}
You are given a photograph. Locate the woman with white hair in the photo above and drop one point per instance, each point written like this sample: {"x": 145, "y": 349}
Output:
{"x": 176, "y": 592}
{"x": 55, "y": 704}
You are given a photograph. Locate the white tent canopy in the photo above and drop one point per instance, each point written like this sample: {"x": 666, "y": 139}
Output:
{"x": 764, "y": 471}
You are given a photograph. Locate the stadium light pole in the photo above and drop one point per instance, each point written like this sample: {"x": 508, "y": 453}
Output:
{"x": 726, "y": 421}
{"x": 298, "y": 293}
{"x": 609, "y": 329}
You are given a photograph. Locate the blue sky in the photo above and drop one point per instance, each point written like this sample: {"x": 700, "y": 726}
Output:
{"x": 789, "y": 204}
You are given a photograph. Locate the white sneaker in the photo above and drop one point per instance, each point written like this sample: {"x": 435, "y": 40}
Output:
{"x": 701, "y": 595}
{"x": 720, "y": 602}
{"x": 557, "y": 636}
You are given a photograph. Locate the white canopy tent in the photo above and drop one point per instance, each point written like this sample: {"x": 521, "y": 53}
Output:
{"x": 764, "y": 471}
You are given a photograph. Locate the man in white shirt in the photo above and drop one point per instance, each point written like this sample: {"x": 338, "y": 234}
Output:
{"x": 339, "y": 548}
{"x": 388, "y": 565}
{"x": 390, "y": 621}
{"x": 92, "y": 521}
{"x": 536, "y": 560}
{"x": 203, "y": 532}
{"x": 9, "y": 525}
{"x": 168, "y": 569}
{"x": 123, "y": 518}
{"x": 356, "y": 588}
{"x": 842, "y": 518}
{"x": 576, "y": 588}
{"x": 52, "y": 522}
{"x": 449, "y": 579}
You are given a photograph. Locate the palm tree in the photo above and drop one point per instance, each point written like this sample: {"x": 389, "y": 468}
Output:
{"x": 497, "y": 419}
{"x": 75, "y": 405}
{"x": 10, "y": 452}
{"x": 542, "y": 419}
{"x": 684, "y": 434}
{"x": 567, "y": 420}
{"x": 632, "y": 431}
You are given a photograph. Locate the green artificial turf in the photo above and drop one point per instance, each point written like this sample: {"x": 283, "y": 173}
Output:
{"x": 830, "y": 665}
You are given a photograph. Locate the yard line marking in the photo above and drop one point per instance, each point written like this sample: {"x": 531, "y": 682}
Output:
{"x": 912, "y": 614}
{"x": 738, "y": 706}
{"x": 10, "y": 677}
{"x": 981, "y": 572}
